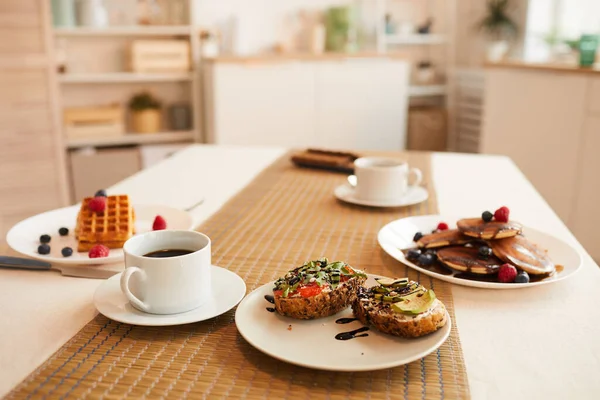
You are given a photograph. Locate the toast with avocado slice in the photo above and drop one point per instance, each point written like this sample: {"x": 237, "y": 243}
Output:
{"x": 317, "y": 289}
{"x": 400, "y": 307}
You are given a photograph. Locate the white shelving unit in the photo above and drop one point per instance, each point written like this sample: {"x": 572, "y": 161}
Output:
{"x": 124, "y": 77}
{"x": 427, "y": 90}
{"x": 387, "y": 42}
{"x": 415, "y": 39}
{"x": 131, "y": 139}
{"x": 168, "y": 30}
{"x": 97, "y": 75}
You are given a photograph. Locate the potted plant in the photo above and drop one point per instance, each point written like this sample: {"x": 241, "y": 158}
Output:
{"x": 145, "y": 113}
{"x": 500, "y": 28}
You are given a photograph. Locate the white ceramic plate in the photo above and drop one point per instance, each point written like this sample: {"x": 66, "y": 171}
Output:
{"x": 312, "y": 343}
{"x": 415, "y": 195}
{"x": 24, "y": 236}
{"x": 399, "y": 235}
{"x": 228, "y": 289}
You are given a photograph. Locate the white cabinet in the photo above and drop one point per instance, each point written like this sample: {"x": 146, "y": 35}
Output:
{"x": 549, "y": 123}
{"x": 342, "y": 104}
{"x": 586, "y": 218}
{"x": 361, "y": 104}
{"x": 536, "y": 119}
{"x": 261, "y": 104}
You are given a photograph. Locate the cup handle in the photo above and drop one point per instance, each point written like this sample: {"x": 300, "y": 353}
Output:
{"x": 125, "y": 288}
{"x": 418, "y": 176}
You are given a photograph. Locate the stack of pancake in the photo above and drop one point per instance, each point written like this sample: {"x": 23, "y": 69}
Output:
{"x": 458, "y": 249}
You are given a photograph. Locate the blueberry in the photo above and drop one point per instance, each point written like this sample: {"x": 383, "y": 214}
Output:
{"x": 522, "y": 277}
{"x": 413, "y": 254}
{"x": 432, "y": 253}
{"x": 44, "y": 249}
{"x": 101, "y": 193}
{"x": 63, "y": 231}
{"x": 417, "y": 236}
{"x": 426, "y": 259}
{"x": 487, "y": 216}
{"x": 485, "y": 251}
{"x": 67, "y": 252}
{"x": 45, "y": 239}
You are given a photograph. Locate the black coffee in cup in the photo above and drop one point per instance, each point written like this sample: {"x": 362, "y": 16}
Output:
{"x": 168, "y": 253}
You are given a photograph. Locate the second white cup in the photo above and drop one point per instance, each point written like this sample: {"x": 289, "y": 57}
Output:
{"x": 383, "y": 179}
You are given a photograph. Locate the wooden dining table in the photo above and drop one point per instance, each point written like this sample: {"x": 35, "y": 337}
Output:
{"x": 534, "y": 343}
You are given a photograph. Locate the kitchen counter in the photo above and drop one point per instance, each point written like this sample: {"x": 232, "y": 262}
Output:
{"x": 287, "y": 57}
{"x": 544, "y": 67}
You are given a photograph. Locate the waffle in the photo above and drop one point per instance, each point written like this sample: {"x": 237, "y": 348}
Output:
{"x": 111, "y": 228}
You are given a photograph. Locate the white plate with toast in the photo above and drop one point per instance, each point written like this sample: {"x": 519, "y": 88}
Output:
{"x": 398, "y": 235}
{"x": 24, "y": 237}
{"x": 313, "y": 343}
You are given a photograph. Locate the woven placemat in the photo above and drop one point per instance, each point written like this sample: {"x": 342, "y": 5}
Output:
{"x": 285, "y": 216}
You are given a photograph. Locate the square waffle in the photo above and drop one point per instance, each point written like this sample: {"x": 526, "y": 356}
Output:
{"x": 112, "y": 227}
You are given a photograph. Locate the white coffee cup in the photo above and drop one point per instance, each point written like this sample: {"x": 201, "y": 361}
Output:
{"x": 382, "y": 179}
{"x": 167, "y": 285}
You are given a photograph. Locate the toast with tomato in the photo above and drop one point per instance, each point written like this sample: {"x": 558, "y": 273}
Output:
{"x": 317, "y": 289}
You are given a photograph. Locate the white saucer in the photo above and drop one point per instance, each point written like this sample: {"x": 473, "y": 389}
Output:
{"x": 312, "y": 343}
{"x": 228, "y": 290}
{"x": 414, "y": 195}
{"x": 24, "y": 237}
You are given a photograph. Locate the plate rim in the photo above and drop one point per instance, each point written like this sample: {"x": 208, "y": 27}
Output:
{"x": 469, "y": 283}
{"x": 116, "y": 277}
{"x": 77, "y": 261}
{"x": 447, "y": 329}
{"x": 367, "y": 203}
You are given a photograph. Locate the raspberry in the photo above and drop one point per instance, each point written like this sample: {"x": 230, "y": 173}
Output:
{"x": 501, "y": 214}
{"x": 442, "y": 226}
{"x": 98, "y": 204}
{"x": 507, "y": 273}
{"x": 159, "y": 223}
{"x": 98, "y": 251}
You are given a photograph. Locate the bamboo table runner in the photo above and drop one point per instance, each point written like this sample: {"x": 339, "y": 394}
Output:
{"x": 284, "y": 217}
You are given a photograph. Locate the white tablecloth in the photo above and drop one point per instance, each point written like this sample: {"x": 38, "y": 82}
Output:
{"x": 539, "y": 343}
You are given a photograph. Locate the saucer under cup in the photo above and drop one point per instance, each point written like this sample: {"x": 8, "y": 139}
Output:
{"x": 381, "y": 179}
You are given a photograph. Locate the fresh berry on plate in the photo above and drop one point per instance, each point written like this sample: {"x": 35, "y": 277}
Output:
{"x": 63, "y": 231}
{"x": 432, "y": 253}
{"x": 44, "y": 249}
{"x": 159, "y": 223}
{"x": 45, "y": 238}
{"x": 67, "y": 252}
{"x": 507, "y": 273}
{"x": 101, "y": 193}
{"x": 487, "y": 216}
{"x": 485, "y": 251}
{"x": 522, "y": 277}
{"x": 442, "y": 226}
{"x": 501, "y": 214}
{"x": 97, "y": 204}
{"x": 417, "y": 236}
{"x": 426, "y": 259}
{"x": 98, "y": 251}
{"x": 413, "y": 254}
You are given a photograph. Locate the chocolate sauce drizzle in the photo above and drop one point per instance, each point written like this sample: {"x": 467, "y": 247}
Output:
{"x": 345, "y": 320}
{"x": 352, "y": 334}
